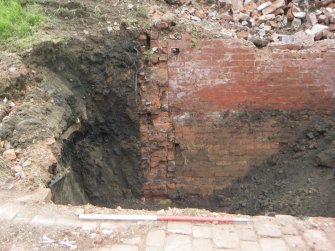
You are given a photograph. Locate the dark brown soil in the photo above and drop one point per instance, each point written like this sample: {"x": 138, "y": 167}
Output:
{"x": 299, "y": 180}
{"x": 94, "y": 83}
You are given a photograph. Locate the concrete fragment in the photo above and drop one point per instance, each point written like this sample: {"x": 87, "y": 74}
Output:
{"x": 297, "y": 13}
{"x": 316, "y": 29}
{"x": 301, "y": 37}
{"x": 264, "y": 5}
{"x": 312, "y": 19}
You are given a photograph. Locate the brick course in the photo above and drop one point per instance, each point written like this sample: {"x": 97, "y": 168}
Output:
{"x": 212, "y": 112}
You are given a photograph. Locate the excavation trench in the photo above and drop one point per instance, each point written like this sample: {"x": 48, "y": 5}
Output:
{"x": 95, "y": 84}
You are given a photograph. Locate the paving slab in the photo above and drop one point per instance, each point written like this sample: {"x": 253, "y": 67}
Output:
{"x": 317, "y": 240}
{"x": 264, "y": 233}
{"x": 271, "y": 244}
{"x": 202, "y": 231}
{"x": 202, "y": 245}
{"x": 8, "y": 211}
{"x": 178, "y": 242}
{"x": 225, "y": 236}
{"x": 267, "y": 227}
{"x": 250, "y": 246}
{"x": 180, "y": 227}
{"x": 156, "y": 238}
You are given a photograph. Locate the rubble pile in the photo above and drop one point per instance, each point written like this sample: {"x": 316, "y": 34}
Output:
{"x": 259, "y": 21}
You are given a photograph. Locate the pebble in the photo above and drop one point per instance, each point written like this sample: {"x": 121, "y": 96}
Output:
{"x": 9, "y": 154}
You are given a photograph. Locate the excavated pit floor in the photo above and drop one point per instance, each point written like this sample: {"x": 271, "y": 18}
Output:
{"x": 95, "y": 84}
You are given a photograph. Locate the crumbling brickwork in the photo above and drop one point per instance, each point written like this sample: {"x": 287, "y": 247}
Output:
{"x": 215, "y": 108}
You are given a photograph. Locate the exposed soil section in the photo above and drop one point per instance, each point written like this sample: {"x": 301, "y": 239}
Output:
{"x": 90, "y": 108}
{"x": 299, "y": 180}
{"x": 94, "y": 82}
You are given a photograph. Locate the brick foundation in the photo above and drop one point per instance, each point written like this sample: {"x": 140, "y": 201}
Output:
{"x": 210, "y": 112}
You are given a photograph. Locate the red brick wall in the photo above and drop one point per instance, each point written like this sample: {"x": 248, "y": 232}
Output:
{"x": 224, "y": 74}
{"x": 212, "y": 112}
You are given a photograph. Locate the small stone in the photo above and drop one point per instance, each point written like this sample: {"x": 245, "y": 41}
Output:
{"x": 195, "y": 18}
{"x": 154, "y": 59}
{"x": 326, "y": 158}
{"x": 331, "y": 17}
{"x": 279, "y": 11}
{"x": 98, "y": 240}
{"x": 26, "y": 163}
{"x": 289, "y": 15}
{"x": 259, "y": 42}
{"x": 297, "y": 13}
{"x": 9, "y": 154}
{"x": 200, "y": 13}
{"x": 17, "y": 168}
{"x": 242, "y": 34}
{"x": 237, "y": 4}
{"x": 296, "y": 23}
{"x": 226, "y": 16}
{"x": 240, "y": 17}
{"x": 312, "y": 19}
{"x": 267, "y": 17}
{"x": 273, "y": 7}
{"x": 322, "y": 19}
{"x": 310, "y": 135}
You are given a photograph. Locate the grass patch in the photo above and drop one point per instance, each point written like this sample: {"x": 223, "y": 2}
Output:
{"x": 17, "y": 21}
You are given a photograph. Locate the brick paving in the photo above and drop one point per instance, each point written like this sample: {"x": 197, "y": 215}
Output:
{"x": 277, "y": 233}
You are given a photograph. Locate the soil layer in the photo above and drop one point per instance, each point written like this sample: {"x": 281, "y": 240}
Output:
{"x": 95, "y": 84}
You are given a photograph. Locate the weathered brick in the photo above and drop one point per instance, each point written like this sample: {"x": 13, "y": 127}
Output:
{"x": 220, "y": 75}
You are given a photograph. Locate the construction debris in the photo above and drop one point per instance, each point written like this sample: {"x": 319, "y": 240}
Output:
{"x": 253, "y": 20}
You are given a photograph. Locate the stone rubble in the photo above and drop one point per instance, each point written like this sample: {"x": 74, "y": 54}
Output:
{"x": 251, "y": 20}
